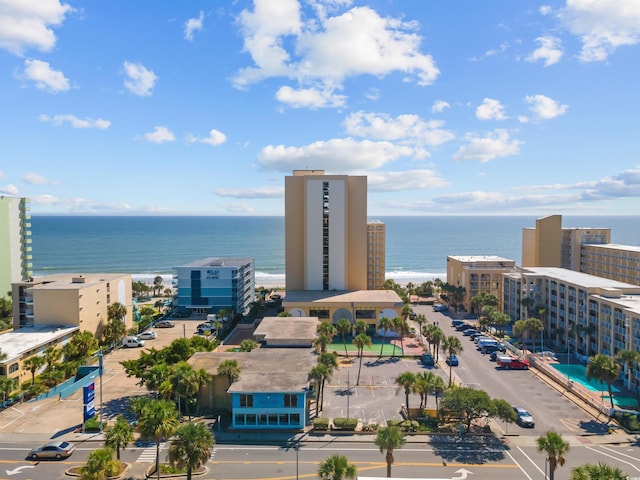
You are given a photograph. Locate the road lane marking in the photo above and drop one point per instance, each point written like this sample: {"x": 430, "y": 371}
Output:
{"x": 532, "y": 462}
{"x": 615, "y": 458}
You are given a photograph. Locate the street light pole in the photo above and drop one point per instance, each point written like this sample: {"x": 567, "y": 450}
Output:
{"x": 100, "y": 368}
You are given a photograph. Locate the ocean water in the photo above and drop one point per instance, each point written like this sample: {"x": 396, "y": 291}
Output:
{"x": 417, "y": 247}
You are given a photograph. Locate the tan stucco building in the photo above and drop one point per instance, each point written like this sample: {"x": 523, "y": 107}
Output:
{"x": 71, "y": 299}
{"x": 325, "y": 231}
{"x": 376, "y": 255}
{"x": 478, "y": 274}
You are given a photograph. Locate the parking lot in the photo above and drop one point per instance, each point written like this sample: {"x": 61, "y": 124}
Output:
{"x": 54, "y": 416}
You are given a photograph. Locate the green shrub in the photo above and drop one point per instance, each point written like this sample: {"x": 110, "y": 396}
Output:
{"x": 409, "y": 425}
{"x": 629, "y": 421}
{"x": 394, "y": 423}
{"x": 345, "y": 423}
{"x": 93, "y": 425}
{"x": 321, "y": 424}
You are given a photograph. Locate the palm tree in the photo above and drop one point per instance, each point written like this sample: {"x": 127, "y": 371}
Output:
{"x": 7, "y": 385}
{"x": 326, "y": 333}
{"x": 100, "y": 465}
{"x": 401, "y": 326}
{"x": 33, "y": 364}
{"x": 520, "y": 330}
{"x": 533, "y": 326}
{"x": 337, "y": 467}
{"x": 362, "y": 340}
{"x": 601, "y": 471}
{"x": 191, "y": 447}
{"x": 423, "y": 384}
{"x": 229, "y": 369}
{"x": 605, "y": 369}
{"x": 119, "y": 436}
{"x": 390, "y": 439}
{"x": 158, "y": 420}
{"x": 554, "y": 447}
{"x": 628, "y": 358}
{"x": 343, "y": 327}
{"x": 248, "y": 344}
{"x": 452, "y": 346}
{"x": 52, "y": 356}
{"x": 319, "y": 374}
{"x": 157, "y": 285}
{"x": 406, "y": 380}
{"x": 385, "y": 324}
{"x": 360, "y": 327}
{"x": 437, "y": 336}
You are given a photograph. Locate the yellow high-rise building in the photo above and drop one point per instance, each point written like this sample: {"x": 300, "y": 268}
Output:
{"x": 325, "y": 231}
{"x": 376, "y": 256}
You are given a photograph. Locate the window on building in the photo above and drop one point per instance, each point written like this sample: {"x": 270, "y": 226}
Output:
{"x": 284, "y": 419}
{"x": 13, "y": 368}
{"x": 290, "y": 400}
{"x": 273, "y": 419}
{"x": 251, "y": 419}
{"x": 294, "y": 418}
{"x": 239, "y": 419}
{"x": 262, "y": 419}
{"x": 246, "y": 400}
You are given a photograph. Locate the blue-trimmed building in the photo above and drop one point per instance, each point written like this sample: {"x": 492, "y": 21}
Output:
{"x": 213, "y": 284}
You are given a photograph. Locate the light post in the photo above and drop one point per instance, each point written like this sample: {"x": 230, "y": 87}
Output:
{"x": 297, "y": 447}
{"x": 100, "y": 368}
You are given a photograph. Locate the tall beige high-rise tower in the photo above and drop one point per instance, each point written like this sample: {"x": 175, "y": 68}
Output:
{"x": 15, "y": 242}
{"x": 325, "y": 231}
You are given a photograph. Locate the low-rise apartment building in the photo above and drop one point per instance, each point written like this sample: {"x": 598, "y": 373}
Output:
{"x": 585, "y": 314}
{"x": 478, "y": 274}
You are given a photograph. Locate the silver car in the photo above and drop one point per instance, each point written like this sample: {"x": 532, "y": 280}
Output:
{"x": 57, "y": 450}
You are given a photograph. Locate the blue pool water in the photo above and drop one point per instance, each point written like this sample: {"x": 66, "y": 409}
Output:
{"x": 578, "y": 374}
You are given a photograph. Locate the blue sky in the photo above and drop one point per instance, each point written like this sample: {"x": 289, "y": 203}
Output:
{"x": 193, "y": 107}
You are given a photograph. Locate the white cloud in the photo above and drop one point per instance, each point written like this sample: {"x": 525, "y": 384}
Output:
{"x": 544, "y": 107}
{"x": 328, "y": 49}
{"x": 9, "y": 189}
{"x": 550, "y": 50}
{"x": 622, "y": 185}
{"x": 44, "y": 77}
{"x": 140, "y": 80}
{"x": 400, "y": 181}
{"x": 193, "y": 25}
{"x": 602, "y": 25}
{"x": 27, "y": 24}
{"x": 160, "y": 134}
{"x": 309, "y": 97}
{"x": 440, "y": 106}
{"x": 241, "y": 207}
{"x": 76, "y": 122}
{"x": 2, "y": 175}
{"x": 33, "y": 178}
{"x": 338, "y": 155}
{"x": 493, "y": 145}
{"x": 490, "y": 110}
{"x": 215, "y": 138}
{"x": 260, "y": 192}
{"x": 408, "y": 128}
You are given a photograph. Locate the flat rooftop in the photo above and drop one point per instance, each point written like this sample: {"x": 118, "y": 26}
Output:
{"x": 18, "y": 342}
{"x": 218, "y": 262}
{"x": 578, "y": 278}
{"x": 615, "y": 246}
{"x": 72, "y": 280}
{"x": 480, "y": 258}
{"x": 370, "y": 297}
{"x": 263, "y": 369}
{"x": 286, "y": 328}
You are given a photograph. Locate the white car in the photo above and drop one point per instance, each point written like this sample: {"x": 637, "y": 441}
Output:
{"x": 148, "y": 335}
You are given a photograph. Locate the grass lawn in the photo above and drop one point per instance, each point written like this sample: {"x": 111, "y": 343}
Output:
{"x": 387, "y": 351}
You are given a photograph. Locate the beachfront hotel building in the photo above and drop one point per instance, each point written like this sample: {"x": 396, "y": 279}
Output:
{"x": 212, "y": 284}
{"x": 585, "y": 314}
{"x": 550, "y": 245}
{"x": 478, "y": 274}
{"x": 325, "y": 231}
{"x": 71, "y": 299}
{"x": 334, "y": 259}
{"x": 613, "y": 261}
{"x": 15, "y": 242}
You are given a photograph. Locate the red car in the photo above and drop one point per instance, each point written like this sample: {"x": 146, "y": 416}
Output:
{"x": 508, "y": 362}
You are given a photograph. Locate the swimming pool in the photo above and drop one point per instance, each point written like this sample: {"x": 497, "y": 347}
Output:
{"x": 578, "y": 373}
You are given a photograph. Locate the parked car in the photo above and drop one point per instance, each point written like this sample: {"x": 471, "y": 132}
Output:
{"x": 452, "y": 361}
{"x": 413, "y": 315}
{"x": 57, "y": 450}
{"x": 132, "y": 342}
{"x": 497, "y": 349}
{"x": 427, "y": 360}
{"x": 456, "y": 323}
{"x": 462, "y": 326}
{"x": 148, "y": 335}
{"x": 439, "y": 307}
{"x": 524, "y": 418}
{"x": 205, "y": 327}
{"x": 508, "y": 362}
{"x": 494, "y": 355}
{"x": 469, "y": 331}
{"x": 165, "y": 324}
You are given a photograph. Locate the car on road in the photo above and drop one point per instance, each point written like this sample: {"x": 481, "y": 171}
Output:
{"x": 427, "y": 360}
{"x": 524, "y": 418}
{"x": 413, "y": 315}
{"x": 205, "y": 327}
{"x": 509, "y": 362}
{"x": 165, "y": 324}
{"x": 497, "y": 349}
{"x": 469, "y": 331}
{"x": 452, "y": 361}
{"x": 457, "y": 323}
{"x": 148, "y": 335}
{"x": 439, "y": 307}
{"x": 57, "y": 450}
